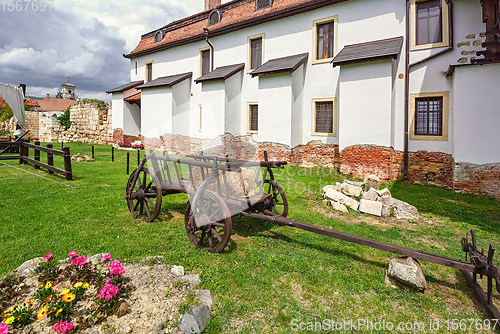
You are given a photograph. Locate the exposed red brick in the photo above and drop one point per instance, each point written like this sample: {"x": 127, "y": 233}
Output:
{"x": 363, "y": 160}
{"x": 431, "y": 167}
{"x": 118, "y": 136}
{"x": 477, "y": 179}
{"x": 211, "y": 4}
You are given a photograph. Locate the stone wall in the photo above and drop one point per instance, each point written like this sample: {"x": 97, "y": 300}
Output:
{"x": 89, "y": 124}
{"x": 32, "y": 124}
{"x": 49, "y": 128}
{"x": 358, "y": 160}
{"x": 477, "y": 179}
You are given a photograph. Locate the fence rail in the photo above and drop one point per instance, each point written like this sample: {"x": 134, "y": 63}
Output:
{"x": 23, "y": 156}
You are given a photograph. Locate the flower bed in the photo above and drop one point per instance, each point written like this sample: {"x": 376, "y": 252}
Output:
{"x": 133, "y": 146}
{"x": 55, "y": 303}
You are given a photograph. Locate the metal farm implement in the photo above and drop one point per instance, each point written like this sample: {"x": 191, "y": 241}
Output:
{"x": 220, "y": 188}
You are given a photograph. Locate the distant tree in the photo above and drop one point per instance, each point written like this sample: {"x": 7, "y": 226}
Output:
{"x": 5, "y": 113}
{"x": 64, "y": 119}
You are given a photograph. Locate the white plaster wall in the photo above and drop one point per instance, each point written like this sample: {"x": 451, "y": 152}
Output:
{"x": 156, "y": 109}
{"x": 117, "y": 103}
{"x": 477, "y": 114}
{"x": 275, "y": 105}
{"x": 233, "y": 109}
{"x": 131, "y": 119}
{"x": 359, "y": 21}
{"x": 297, "y": 120}
{"x": 365, "y": 104}
{"x": 213, "y": 103}
{"x": 181, "y": 108}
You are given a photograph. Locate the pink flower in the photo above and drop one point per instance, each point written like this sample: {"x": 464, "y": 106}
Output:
{"x": 62, "y": 327}
{"x": 108, "y": 292}
{"x": 73, "y": 254}
{"x": 107, "y": 280}
{"x": 79, "y": 261}
{"x": 48, "y": 257}
{"x": 105, "y": 257}
{"x": 115, "y": 268}
{"x": 4, "y": 329}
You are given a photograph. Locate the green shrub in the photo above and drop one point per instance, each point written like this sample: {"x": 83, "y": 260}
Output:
{"x": 4, "y": 133}
{"x": 64, "y": 119}
{"x": 100, "y": 103}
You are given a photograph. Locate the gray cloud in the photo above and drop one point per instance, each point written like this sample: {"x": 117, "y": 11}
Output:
{"x": 42, "y": 49}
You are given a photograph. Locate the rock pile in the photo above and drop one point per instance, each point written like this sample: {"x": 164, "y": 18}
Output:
{"x": 371, "y": 200}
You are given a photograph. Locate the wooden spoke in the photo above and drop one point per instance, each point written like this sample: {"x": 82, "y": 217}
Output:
{"x": 214, "y": 236}
{"x": 144, "y": 194}
{"x": 278, "y": 202}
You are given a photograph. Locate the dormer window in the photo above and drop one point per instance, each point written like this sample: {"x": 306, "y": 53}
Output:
{"x": 260, "y": 4}
{"x": 214, "y": 17}
{"x": 158, "y": 36}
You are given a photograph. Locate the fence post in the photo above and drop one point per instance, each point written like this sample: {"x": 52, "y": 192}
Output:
{"x": 112, "y": 153}
{"x": 128, "y": 162}
{"x": 92, "y": 151}
{"x": 37, "y": 154}
{"x": 138, "y": 157}
{"x": 62, "y": 145}
{"x": 21, "y": 151}
{"x": 67, "y": 163}
{"x": 50, "y": 158}
{"x": 26, "y": 151}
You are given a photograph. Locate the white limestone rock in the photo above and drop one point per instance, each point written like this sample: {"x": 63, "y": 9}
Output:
{"x": 403, "y": 210}
{"x": 386, "y": 210}
{"x": 387, "y": 200}
{"x": 371, "y": 181}
{"x": 371, "y": 207}
{"x": 177, "y": 270}
{"x": 350, "y": 202}
{"x": 384, "y": 192}
{"x": 193, "y": 278}
{"x": 28, "y": 267}
{"x": 407, "y": 271}
{"x": 371, "y": 195}
{"x": 351, "y": 190}
{"x": 204, "y": 296}
{"x": 338, "y": 206}
{"x": 334, "y": 195}
{"x": 195, "y": 320}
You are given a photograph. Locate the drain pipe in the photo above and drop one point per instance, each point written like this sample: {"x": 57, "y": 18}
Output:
{"x": 205, "y": 32}
{"x": 407, "y": 90}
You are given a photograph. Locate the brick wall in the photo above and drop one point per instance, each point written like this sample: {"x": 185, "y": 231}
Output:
{"x": 477, "y": 179}
{"x": 363, "y": 160}
{"x": 431, "y": 167}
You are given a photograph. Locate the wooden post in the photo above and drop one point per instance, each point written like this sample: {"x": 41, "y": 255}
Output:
{"x": 26, "y": 151}
{"x": 112, "y": 153}
{"x": 62, "y": 145}
{"x": 37, "y": 154}
{"x": 92, "y": 151}
{"x": 67, "y": 163}
{"x": 138, "y": 157}
{"x": 21, "y": 152}
{"x": 128, "y": 162}
{"x": 50, "y": 157}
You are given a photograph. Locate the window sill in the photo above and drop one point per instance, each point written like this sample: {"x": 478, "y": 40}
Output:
{"x": 321, "y": 61}
{"x": 428, "y": 138}
{"x": 324, "y": 134}
{"x": 250, "y": 132}
{"x": 414, "y": 47}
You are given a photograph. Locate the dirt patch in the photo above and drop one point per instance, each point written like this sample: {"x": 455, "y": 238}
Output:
{"x": 239, "y": 238}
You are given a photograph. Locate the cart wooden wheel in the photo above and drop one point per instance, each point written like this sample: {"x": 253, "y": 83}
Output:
{"x": 212, "y": 213}
{"x": 277, "y": 203}
{"x": 144, "y": 194}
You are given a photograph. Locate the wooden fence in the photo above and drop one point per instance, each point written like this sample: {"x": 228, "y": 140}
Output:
{"x": 23, "y": 147}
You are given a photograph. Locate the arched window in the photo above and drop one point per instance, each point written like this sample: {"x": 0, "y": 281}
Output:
{"x": 259, "y": 4}
{"x": 214, "y": 17}
{"x": 158, "y": 36}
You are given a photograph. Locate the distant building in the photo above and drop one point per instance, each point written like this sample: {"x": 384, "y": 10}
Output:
{"x": 68, "y": 91}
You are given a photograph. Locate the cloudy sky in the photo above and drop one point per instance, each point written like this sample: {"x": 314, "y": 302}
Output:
{"x": 80, "y": 39}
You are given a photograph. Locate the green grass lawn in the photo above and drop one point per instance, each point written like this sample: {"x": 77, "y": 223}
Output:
{"x": 267, "y": 276}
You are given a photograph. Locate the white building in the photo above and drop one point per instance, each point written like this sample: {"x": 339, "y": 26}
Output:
{"x": 330, "y": 82}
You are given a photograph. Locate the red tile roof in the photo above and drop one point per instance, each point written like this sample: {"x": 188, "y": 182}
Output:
{"x": 236, "y": 15}
{"x": 54, "y": 104}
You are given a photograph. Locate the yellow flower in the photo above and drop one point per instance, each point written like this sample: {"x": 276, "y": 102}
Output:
{"x": 48, "y": 285}
{"x": 10, "y": 309}
{"x": 78, "y": 284}
{"x": 28, "y": 309}
{"x": 9, "y": 320}
{"x": 59, "y": 311}
{"x": 65, "y": 291}
{"x": 86, "y": 285}
{"x": 18, "y": 317}
{"x": 47, "y": 299}
{"x": 68, "y": 298}
{"x": 29, "y": 302}
{"x": 42, "y": 313}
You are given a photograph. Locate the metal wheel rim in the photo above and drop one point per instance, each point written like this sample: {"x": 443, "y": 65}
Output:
{"x": 279, "y": 204}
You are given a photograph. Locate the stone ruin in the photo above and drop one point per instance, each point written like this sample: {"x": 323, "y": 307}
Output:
{"x": 371, "y": 200}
